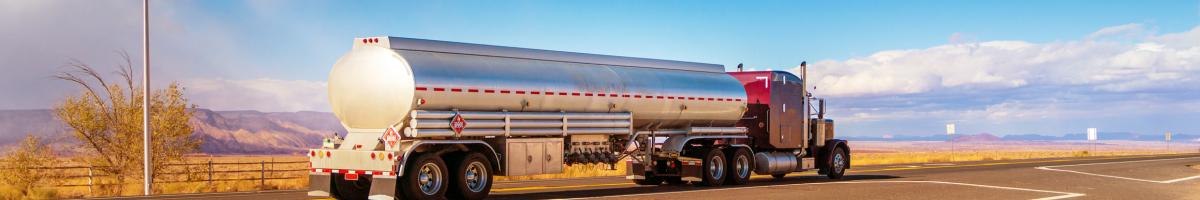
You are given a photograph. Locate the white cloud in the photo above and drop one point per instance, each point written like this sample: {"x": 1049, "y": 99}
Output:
{"x": 1116, "y": 74}
{"x": 270, "y": 95}
{"x": 1155, "y": 62}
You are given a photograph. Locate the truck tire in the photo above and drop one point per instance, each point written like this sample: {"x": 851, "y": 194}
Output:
{"x": 471, "y": 178}
{"x": 343, "y": 189}
{"x": 838, "y": 161}
{"x": 741, "y": 165}
{"x": 425, "y": 178}
{"x": 714, "y": 168}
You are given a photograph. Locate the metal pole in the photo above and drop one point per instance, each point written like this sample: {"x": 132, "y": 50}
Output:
{"x": 262, "y": 172}
{"x": 91, "y": 178}
{"x": 149, "y": 179}
{"x": 210, "y": 172}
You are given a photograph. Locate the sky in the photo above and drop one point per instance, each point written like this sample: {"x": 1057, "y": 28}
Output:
{"x": 887, "y": 68}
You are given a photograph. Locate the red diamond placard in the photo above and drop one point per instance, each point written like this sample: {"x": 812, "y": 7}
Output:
{"x": 458, "y": 123}
{"x": 391, "y": 137}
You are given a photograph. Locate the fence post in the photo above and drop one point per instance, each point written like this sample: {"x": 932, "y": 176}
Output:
{"x": 90, "y": 182}
{"x": 262, "y": 170}
{"x": 210, "y": 172}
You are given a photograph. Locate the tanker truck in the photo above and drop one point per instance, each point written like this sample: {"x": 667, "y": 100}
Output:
{"x": 432, "y": 119}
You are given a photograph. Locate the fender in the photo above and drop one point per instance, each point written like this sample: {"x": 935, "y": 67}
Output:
{"x": 675, "y": 144}
{"x": 822, "y": 156}
{"x": 402, "y": 162}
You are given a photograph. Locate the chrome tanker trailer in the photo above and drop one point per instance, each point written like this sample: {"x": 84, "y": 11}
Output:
{"x": 432, "y": 119}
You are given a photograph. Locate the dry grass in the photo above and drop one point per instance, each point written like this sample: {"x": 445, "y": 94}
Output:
{"x": 860, "y": 159}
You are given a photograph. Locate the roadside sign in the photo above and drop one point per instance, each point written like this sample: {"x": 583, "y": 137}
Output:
{"x": 458, "y": 123}
{"x": 950, "y": 129}
{"x": 1091, "y": 134}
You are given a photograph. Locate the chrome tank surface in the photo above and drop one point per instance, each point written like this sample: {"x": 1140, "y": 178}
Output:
{"x": 382, "y": 80}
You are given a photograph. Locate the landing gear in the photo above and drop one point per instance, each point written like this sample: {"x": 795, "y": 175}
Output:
{"x": 472, "y": 178}
{"x": 740, "y": 165}
{"x": 838, "y": 161}
{"x": 714, "y": 169}
{"x": 425, "y": 178}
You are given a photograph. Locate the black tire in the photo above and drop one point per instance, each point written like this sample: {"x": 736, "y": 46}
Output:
{"x": 838, "y": 161}
{"x": 434, "y": 168}
{"x": 714, "y": 168}
{"x": 778, "y": 176}
{"x": 343, "y": 189}
{"x": 650, "y": 180}
{"x": 472, "y": 166}
{"x": 740, "y": 167}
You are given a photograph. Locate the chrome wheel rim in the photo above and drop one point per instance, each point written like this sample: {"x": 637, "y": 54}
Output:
{"x": 743, "y": 166}
{"x": 476, "y": 177}
{"x": 839, "y": 163}
{"x": 716, "y": 167}
{"x": 430, "y": 178}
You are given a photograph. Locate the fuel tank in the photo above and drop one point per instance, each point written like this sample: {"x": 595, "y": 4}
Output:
{"x": 382, "y": 80}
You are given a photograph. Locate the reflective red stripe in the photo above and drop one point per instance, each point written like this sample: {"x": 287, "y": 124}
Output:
{"x": 489, "y": 91}
{"x": 456, "y": 89}
{"x": 472, "y": 90}
{"x": 439, "y": 89}
{"x": 520, "y": 92}
{"x": 422, "y": 88}
{"x": 534, "y": 92}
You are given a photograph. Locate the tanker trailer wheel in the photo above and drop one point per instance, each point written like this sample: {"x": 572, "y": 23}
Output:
{"x": 425, "y": 178}
{"x": 838, "y": 161}
{"x": 740, "y": 166}
{"x": 472, "y": 178}
{"x": 714, "y": 168}
{"x": 343, "y": 189}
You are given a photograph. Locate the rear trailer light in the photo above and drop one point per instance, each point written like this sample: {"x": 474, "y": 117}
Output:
{"x": 372, "y": 156}
{"x": 327, "y": 154}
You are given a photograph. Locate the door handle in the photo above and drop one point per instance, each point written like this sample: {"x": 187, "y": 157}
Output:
{"x": 530, "y": 158}
{"x": 547, "y": 158}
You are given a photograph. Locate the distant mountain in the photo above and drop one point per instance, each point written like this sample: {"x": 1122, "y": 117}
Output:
{"x": 223, "y": 132}
{"x": 982, "y": 137}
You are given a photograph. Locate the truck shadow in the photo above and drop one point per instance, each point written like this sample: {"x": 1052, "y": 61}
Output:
{"x": 633, "y": 190}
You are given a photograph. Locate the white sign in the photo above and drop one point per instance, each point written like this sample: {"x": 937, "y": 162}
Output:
{"x": 949, "y": 129}
{"x": 1091, "y": 134}
{"x": 1168, "y": 136}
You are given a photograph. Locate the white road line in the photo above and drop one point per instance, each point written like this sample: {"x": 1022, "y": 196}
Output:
{"x": 1051, "y": 168}
{"x": 1061, "y": 195}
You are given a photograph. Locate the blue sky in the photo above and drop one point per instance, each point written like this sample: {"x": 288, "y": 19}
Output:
{"x": 1048, "y": 67}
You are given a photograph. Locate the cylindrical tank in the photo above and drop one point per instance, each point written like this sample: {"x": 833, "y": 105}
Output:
{"x": 382, "y": 79}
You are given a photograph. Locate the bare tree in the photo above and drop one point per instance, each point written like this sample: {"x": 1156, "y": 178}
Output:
{"x": 107, "y": 119}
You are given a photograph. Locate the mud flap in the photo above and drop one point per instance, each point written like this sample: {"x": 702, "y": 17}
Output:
{"x": 318, "y": 185}
{"x": 383, "y": 188}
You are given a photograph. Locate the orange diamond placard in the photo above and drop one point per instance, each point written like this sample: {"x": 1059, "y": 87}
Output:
{"x": 458, "y": 123}
{"x": 391, "y": 137}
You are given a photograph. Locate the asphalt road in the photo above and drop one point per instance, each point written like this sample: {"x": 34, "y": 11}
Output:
{"x": 1136, "y": 177}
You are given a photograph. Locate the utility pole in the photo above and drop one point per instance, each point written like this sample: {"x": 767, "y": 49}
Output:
{"x": 149, "y": 179}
